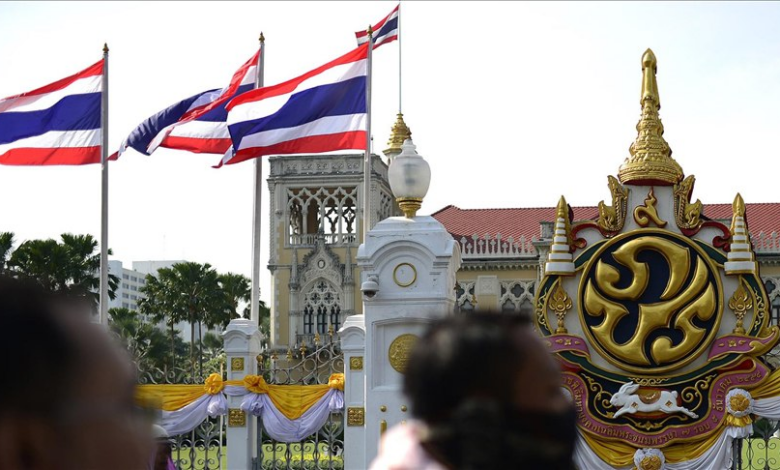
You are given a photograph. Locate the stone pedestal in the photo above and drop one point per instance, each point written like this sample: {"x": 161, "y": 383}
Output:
{"x": 413, "y": 262}
{"x": 242, "y": 345}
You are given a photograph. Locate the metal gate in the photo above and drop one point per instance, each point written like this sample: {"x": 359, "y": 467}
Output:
{"x": 203, "y": 447}
{"x": 307, "y": 365}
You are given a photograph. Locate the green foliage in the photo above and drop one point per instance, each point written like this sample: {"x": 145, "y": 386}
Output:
{"x": 69, "y": 266}
{"x": 147, "y": 344}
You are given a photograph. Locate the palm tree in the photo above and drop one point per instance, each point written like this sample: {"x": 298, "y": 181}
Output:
{"x": 237, "y": 289}
{"x": 70, "y": 267}
{"x": 184, "y": 292}
{"x": 6, "y": 243}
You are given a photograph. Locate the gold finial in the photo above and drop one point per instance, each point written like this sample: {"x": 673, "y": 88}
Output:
{"x": 105, "y": 48}
{"x": 398, "y": 134}
{"x": 370, "y": 31}
{"x": 563, "y": 209}
{"x": 651, "y": 161}
{"x": 262, "y": 37}
{"x": 739, "y": 206}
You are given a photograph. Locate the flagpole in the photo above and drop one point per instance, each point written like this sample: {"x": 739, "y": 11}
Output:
{"x": 254, "y": 310}
{"x": 103, "y": 317}
{"x": 367, "y": 163}
{"x": 399, "y": 57}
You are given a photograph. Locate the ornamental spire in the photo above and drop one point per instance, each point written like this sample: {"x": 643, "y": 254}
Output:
{"x": 398, "y": 134}
{"x": 560, "y": 260}
{"x": 651, "y": 161}
{"x": 741, "y": 259}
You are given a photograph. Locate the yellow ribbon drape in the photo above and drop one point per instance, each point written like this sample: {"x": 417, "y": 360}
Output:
{"x": 620, "y": 454}
{"x": 769, "y": 388}
{"x": 291, "y": 400}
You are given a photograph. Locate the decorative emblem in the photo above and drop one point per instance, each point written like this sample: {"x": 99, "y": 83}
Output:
{"x": 649, "y": 459}
{"x": 236, "y": 418}
{"x": 356, "y": 363}
{"x": 612, "y": 218}
{"x": 641, "y": 326}
{"x": 356, "y": 416}
{"x": 643, "y": 215}
{"x": 399, "y": 351}
{"x": 237, "y": 364}
{"x": 404, "y": 275}
{"x": 662, "y": 400}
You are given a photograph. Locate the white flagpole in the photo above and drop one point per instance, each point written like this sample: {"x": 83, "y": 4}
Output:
{"x": 367, "y": 163}
{"x": 103, "y": 317}
{"x": 254, "y": 309}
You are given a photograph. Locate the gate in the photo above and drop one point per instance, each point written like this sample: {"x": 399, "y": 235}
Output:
{"x": 203, "y": 447}
{"x": 305, "y": 366}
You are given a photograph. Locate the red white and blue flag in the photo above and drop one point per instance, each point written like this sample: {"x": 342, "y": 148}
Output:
{"x": 196, "y": 124}
{"x": 385, "y": 31}
{"x": 58, "y": 124}
{"x": 321, "y": 111}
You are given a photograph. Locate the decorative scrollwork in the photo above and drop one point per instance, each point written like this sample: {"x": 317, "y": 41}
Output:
{"x": 612, "y": 218}
{"x": 687, "y": 214}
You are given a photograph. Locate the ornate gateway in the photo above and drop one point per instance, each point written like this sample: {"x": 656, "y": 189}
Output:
{"x": 658, "y": 316}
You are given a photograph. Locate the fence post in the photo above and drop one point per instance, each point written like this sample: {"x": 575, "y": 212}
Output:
{"x": 353, "y": 344}
{"x": 242, "y": 345}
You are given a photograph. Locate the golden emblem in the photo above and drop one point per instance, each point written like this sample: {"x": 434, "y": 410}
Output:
{"x": 399, "y": 351}
{"x": 636, "y": 328}
{"x": 643, "y": 215}
{"x": 651, "y": 462}
{"x": 237, "y": 364}
{"x": 356, "y": 363}
{"x": 356, "y": 416}
{"x": 236, "y": 418}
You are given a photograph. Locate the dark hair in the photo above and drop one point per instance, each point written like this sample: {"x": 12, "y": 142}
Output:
{"x": 39, "y": 352}
{"x": 464, "y": 356}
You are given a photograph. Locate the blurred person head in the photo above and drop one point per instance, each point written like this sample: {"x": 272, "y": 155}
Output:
{"x": 66, "y": 398}
{"x": 489, "y": 394}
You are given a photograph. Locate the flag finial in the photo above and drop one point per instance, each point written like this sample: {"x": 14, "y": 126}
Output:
{"x": 370, "y": 31}
{"x": 262, "y": 37}
{"x": 105, "y": 48}
{"x": 651, "y": 161}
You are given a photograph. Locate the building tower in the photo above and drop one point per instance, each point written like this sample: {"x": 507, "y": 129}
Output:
{"x": 316, "y": 227}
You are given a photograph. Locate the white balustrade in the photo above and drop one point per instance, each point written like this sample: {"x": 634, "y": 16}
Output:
{"x": 487, "y": 247}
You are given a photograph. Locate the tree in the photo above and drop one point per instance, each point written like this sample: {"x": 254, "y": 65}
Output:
{"x": 237, "y": 289}
{"x": 185, "y": 292}
{"x": 6, "y": 243}
{"x": 70, "y": 267}
{"x": 145, "y": 342}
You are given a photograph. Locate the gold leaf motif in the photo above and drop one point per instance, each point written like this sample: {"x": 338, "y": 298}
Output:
{"x": 236, "y": 418}
{"x": 643, "y": 215}
{"x": 740, "y": 302}
{"x": 651, "y": 462}
{"x": 739, "y": 403}
{"x": 356, "y": 416}
{"x": 356, "y": 363}
{"x": 560, "y": 303}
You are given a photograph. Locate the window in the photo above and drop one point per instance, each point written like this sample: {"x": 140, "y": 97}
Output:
{"x": 125, "y": 276}
{"x": 124, "y": 295}
{"x": 775, "y": 315}
{"x": 330, "y": 210}
{"x": 125, "y": 305}
{"x": 324, "y": 301}
{"x": 133, "y": 278}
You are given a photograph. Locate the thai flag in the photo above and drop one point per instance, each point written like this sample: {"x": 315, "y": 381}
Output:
{"x": 196, "y": 124}
{"x": 385, "y": 31}
{"x": 58, "y": 124}
{"x": 320, "y": 111}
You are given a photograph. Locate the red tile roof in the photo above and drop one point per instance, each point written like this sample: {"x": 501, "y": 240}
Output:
{"x": 524, "y": 221}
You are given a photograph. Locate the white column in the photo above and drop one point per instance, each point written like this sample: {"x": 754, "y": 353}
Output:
{"x": 242, "y": 345}
{"x": 353, "y": 344}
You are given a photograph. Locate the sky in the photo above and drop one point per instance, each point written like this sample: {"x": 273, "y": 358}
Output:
{"x": 512, "y": 104}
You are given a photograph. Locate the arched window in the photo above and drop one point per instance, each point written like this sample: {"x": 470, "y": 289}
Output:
{"x": 324, "y": 301}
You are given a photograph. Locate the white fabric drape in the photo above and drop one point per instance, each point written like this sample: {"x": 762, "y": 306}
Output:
{"x": 283, "y": 429}
{"x": 767, "y": 407}
{"x": 189, "y": 417}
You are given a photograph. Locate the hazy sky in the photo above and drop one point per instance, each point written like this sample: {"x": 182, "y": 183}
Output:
{"x": 513, "y": 104}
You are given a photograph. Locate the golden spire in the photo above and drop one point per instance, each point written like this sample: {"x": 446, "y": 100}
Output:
{"x": 651, "y": 161}
{"x": 398, "y": 134}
